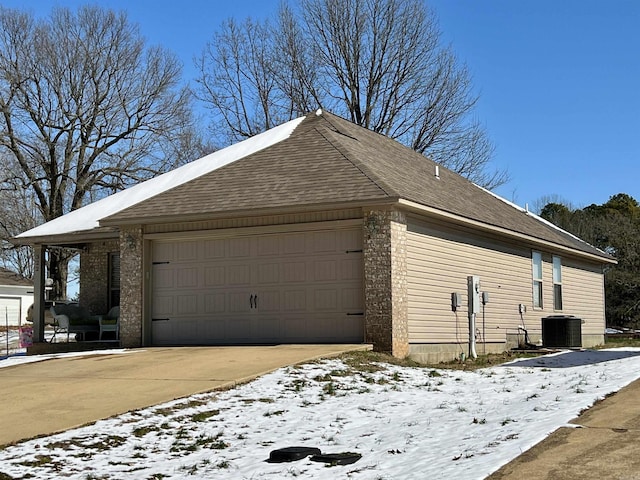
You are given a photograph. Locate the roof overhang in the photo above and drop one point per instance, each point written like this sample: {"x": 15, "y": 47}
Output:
{"x": 71, "y": 239}
{"x": 460, "y": 220}
{"x": 251, "y": 212}
{"x": 109, "y": 227}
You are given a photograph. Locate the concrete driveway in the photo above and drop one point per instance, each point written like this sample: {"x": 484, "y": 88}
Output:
{"x": 55, "y": 395}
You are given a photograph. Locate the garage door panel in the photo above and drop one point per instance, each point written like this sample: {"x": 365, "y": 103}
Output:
{"x": 266, "y": 301}
{"x": 186, "y": 251}
{"x": 269, "y": 273}
{"x": 162, "y": 252}
{"x": 324, "y": 242}
{"x": 214, "y": 276}
{"x": 163, "y": 278}
{"x": 186, "y": 277}
{"x": 238, "y": 274}
{"x": 214, "y": 249}
{"x": 215, "y": 302}
{"x": 214, "y": 328}
{"x": 286, "y": 287}
{"x": 294, "y": 271}
{"x": 162, "y": 306}
{"x": 10, "y": 310}
{"x": 352, "y": 299}
{"x": 269, "y": 245}
{"x": 267, "y": 328}
{"x": 294, "y": 243}
{"x": 239, "y": 301}
{"x": 325, "y": 270}
{"x": 239, "y": 247}
{"x": 239, "y": 330}
{"x": 350, "y": 240}
{"x": 351, "y": 268}
{"x": 326, "y": 299}
{"x": 294, "y": 300}
{"x": 187, "y": 305}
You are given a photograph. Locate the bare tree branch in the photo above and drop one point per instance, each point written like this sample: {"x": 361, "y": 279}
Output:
{"x": 379, "y": 63}
{"x": 84, "y": 106}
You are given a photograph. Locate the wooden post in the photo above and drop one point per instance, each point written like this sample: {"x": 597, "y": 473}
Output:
{"x": 38, "y": 292}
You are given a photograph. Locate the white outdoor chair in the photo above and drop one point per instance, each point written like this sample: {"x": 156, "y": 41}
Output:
{"x": 110, "y": 322}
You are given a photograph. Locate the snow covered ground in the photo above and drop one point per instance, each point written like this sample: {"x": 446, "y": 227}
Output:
{"x": 406, "y": 422}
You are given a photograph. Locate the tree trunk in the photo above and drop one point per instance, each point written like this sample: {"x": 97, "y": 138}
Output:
{"x": 58, "y": 268}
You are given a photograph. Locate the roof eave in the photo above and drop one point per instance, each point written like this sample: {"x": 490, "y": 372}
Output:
{"x": 252, "y": 212}
{"x": 70, "y": 239}
{"x": 423, "y": 209}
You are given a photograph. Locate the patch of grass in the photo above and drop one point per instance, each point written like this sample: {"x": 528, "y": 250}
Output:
{"x": 165, "y": 412}
{"x": 297, "y": 385}
{"x": 40, "y": 461}
{"x": 142, "y": 431}
{"x": 484, "y": 361}
{"x": 329, "y": 389}
{"x": 611, "y": 341}
{"x": 368, "y": 362}
{"x": 66, "y": 445}
{"x": 507, "y": 421}
{"x": 261, "y": 400}
{"x": 202, "y": 416}
{"x": 191, "y": 404}
{"x": 203, "y": 441}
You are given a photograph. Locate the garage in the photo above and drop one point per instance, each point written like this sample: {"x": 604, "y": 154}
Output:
{"x": 10, "y": 311}
{"x": 258, "y": 288}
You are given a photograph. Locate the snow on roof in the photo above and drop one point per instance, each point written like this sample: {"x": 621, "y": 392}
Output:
{"x": 89, "y": 216}
{"x": 539, "y": 218}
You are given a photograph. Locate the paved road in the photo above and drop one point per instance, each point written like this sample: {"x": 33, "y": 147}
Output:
{"x": 54, "y": 395}
{"x": 606, "y": 445}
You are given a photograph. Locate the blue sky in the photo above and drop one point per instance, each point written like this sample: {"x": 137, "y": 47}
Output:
{"x": 559, "y": 81}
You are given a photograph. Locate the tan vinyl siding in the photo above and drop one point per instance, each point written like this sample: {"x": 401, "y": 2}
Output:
{"x": 439, "y": 259}
{"x": 258, "y": 221}
{"x": 583, "y": 296}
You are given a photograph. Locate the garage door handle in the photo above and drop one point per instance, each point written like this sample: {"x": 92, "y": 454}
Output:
{"x": 359, "y": 313}
{"x": 159, "y": 319}
{"x": 253, "y": 301}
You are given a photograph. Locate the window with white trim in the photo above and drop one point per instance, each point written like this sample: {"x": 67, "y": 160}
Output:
{"x": 536, "y": 270}
{"x": 557, "y": 283}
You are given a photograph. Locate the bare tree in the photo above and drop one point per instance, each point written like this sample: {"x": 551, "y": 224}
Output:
{"x": 84, "y": 106}
{"x": 17, "y": 214}
{"x": 379, "y": 63}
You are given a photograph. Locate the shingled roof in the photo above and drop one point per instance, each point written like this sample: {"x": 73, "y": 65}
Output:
{"x": 7, "y": 277}
{"x": 329, "y": 160}
{"x": 317, "y": 161}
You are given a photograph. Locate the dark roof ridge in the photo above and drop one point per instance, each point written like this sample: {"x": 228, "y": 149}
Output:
{"x": 362, "y": 168}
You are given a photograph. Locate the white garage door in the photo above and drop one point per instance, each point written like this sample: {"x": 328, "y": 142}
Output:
{"x": 273, "y": 288}
{"x": 9, "y": 311}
